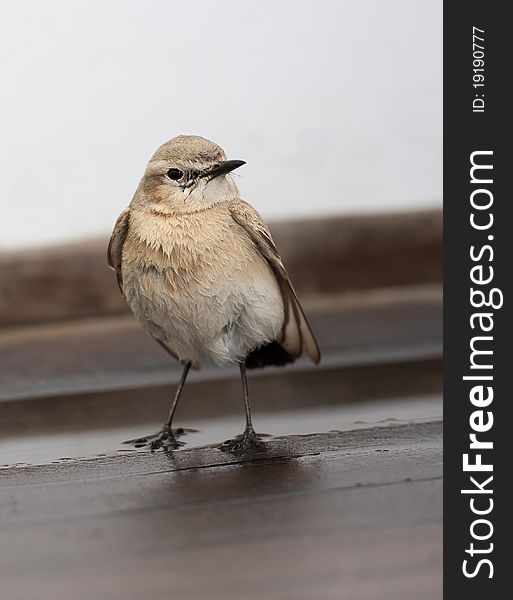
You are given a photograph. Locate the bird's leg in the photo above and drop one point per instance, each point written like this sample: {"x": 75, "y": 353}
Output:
{"x": 166, "y": 438}
{"x": 248, "y": 439}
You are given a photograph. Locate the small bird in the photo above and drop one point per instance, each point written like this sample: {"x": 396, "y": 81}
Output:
{"x": 200, "y": 272}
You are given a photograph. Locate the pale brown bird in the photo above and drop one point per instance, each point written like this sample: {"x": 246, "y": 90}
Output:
{"x": 200, "y": 271}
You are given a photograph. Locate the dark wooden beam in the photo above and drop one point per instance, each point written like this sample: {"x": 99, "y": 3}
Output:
{"x": 340, "y": 515}
{"x": 327, "y": 255}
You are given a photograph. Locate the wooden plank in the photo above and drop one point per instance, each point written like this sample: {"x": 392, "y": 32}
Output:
{"x": 354, "y": 515}
{"x": 99, "y": 355}
{"x": 322, "y": 255}
{"x": 273, "y": 391}
{"x": 56, "y": 441}
{"x": 107, "y": 373}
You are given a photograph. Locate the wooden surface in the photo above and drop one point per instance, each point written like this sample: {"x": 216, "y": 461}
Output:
{"x": 353, "y": 516}
{"x": 346, "y": 502}
{"x": 113, "y": 353}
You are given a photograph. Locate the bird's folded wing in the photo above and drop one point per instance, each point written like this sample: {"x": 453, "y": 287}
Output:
{"x": 296, "y": 334}
{"x": 115, "y": 248}
{"x": 115, "y": 256}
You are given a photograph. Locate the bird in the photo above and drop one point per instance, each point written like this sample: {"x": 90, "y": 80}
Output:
{"x": 201, "y": 273}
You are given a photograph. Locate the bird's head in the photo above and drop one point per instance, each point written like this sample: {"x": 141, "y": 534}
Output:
{"x": 186, "y": 174}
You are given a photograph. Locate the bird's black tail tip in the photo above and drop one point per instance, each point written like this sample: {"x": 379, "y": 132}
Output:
{"x": 270, "y": 354}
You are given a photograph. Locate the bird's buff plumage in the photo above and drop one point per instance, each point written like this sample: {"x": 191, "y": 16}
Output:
{"x": 198, "y": 267}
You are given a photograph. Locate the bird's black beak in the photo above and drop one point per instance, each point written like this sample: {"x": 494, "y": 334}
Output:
{"x": 225, "y": 166}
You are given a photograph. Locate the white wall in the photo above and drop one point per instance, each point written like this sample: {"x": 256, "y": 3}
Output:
{"x": 336, "y": 106}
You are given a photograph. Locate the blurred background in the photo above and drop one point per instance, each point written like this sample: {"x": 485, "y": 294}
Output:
{"x": 336, "y": 107}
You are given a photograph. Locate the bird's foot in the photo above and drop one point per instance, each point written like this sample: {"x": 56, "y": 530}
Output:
{"x": 166, "y": 438}
{"x": 245, "y": 442}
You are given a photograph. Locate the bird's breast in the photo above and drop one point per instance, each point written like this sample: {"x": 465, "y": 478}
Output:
{"x": 186, "y": 244}
{"x": 192, "y": 258}
{"x": 202, "y": 284}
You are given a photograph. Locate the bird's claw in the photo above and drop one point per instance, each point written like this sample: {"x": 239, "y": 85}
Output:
{"x": 245, "y": 442}
{"x": 166, "y": 438}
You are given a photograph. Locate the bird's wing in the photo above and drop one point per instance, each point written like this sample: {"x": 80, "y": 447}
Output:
{"x": 296, "y": 334}
{"x": 114, "y": 258}
{"x": 115, "y": 248}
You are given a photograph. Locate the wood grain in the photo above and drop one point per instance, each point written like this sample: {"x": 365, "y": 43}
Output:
{"x": 354, "y": 515}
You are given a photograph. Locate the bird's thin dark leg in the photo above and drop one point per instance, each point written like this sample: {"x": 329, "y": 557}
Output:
{"x": 166, "y": 437}
{"x": 178, "y": 393}
{"x": 248, "y": 439}
{"x": 247, "y": 408}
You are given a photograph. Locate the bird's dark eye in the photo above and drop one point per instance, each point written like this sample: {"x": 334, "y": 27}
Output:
{"x": 175, "y": 174}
